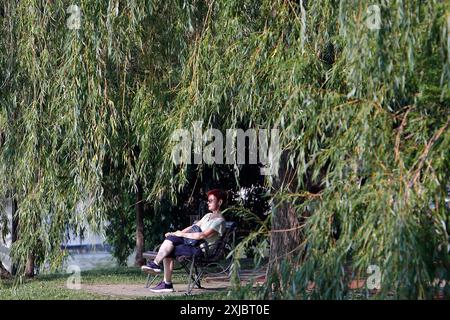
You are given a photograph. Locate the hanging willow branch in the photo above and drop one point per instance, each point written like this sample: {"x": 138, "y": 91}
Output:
{"x": 356, "y": 88}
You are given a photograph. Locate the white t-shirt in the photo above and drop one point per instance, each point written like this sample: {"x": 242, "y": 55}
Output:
{"x": 217, "y": 224}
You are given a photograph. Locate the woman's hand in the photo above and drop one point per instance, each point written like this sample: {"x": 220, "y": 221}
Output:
{"x": 177, "y": 233}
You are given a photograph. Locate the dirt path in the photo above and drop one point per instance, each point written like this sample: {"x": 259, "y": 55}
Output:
{"x": 139, "y": 290}
{"x": 213, "y": 284}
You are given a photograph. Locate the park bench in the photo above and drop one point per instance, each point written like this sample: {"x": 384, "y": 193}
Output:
{"x": 212, "y": 260}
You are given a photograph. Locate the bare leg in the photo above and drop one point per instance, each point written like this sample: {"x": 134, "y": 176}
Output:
{"x": 165, "y": 249}
{"x": 168, "y": 269}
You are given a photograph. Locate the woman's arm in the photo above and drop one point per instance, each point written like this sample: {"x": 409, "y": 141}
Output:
{"x": 186, "y": 229}
{"x": 196, "y": 235}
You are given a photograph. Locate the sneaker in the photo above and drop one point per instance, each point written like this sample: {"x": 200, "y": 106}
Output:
{"x": 162, "y": 287}
{"x": 151, "y": 267}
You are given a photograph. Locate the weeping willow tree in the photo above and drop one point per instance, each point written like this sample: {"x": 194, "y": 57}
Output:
{"x": 359, "y": 90}
{"x": 360, "y": 93}
{"x": 79, "y": 82}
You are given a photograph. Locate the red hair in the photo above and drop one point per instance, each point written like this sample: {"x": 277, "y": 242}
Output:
{"x": 218, "y": 193}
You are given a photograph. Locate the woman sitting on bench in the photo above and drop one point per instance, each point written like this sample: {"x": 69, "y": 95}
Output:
{"x": 212, "y": 226}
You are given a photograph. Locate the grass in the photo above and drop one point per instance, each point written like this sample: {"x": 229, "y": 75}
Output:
{"x": 53, "y": 286}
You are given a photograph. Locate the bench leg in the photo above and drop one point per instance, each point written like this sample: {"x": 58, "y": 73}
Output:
{"x": 150, "y": 281}
{"x": 195, "y": 276}
{"x": 191, "y": 277}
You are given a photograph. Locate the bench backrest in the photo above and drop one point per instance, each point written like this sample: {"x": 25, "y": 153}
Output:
{"x": 217, "y": 250}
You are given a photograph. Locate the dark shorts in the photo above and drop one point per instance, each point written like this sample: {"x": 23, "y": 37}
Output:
{"x": 182, "y": 249}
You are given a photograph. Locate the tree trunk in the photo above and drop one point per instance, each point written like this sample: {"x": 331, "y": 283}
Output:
{"x": 15, "y": 234}
{"x": 284, "y": 245}
{"x": 139, "y": 259}
{"x": 4, "y": 274}
{"x": 14, "y": 231}
{"x": 29, "y": 268}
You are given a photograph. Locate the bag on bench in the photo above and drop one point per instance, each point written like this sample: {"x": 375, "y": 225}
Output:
{"x": 193, "y": 242}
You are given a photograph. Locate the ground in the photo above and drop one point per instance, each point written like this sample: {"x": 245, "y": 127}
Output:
{"x": 129, "y": 283}
{"x": 114, "y": 283}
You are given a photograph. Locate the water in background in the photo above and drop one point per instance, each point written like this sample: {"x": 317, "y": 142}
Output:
{"x": 94, "y": 260}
